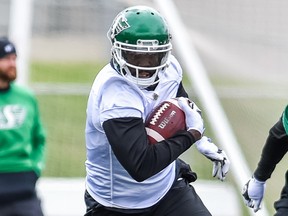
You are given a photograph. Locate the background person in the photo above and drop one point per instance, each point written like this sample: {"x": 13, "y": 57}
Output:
{"x": 22, "y": 141}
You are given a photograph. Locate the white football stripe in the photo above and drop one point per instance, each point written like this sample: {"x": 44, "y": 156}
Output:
{"x": 154, "y": 134}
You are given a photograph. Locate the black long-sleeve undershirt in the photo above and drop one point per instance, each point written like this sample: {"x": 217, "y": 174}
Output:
{"x": 273, "y": 151}
{"x": 128, "y": 139}
{"x": 181, "y": 91}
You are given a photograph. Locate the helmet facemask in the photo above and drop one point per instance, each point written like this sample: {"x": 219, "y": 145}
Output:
{"x": 141, "y": 63}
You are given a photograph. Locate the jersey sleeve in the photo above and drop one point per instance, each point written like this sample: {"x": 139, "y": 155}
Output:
{"x": 120, "y": 101}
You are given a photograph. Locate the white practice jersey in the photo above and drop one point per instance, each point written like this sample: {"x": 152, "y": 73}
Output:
{"x": 112, "y": 96}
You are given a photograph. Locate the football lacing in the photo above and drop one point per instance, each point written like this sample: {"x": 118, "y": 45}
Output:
{"x": 158, "y": 113}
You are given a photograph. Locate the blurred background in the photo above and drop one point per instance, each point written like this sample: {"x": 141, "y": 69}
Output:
{"x": 242, "y": 44}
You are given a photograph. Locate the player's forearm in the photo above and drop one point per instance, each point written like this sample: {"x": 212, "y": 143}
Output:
{"x": 129, "y": 142}
{"x": 157, "y": 156}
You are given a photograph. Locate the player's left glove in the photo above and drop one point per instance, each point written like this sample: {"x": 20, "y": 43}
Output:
{"x": 220, "y": 160}
{"x": 253, "y": 192}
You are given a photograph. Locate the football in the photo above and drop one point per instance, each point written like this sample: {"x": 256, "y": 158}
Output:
{"x": 164, "y": 121}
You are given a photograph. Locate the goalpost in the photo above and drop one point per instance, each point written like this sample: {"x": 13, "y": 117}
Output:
{"x": 20, "y": 28}
{"x": 208, "y": 98}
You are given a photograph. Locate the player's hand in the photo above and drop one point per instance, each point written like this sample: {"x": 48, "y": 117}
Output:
{"x": 193, "y": 116}
{"x": 253, "y": 192}
{"x": 220, "y": 160}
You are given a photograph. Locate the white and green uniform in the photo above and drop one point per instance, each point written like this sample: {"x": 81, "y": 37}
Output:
{"x": 111, "y": 163}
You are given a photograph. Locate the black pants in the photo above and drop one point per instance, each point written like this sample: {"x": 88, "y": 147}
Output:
{"x": 24, "y": 207}
{"x": 181, "y": 200}
{"x": 281, "y": 205}
{"x": 18, "y": 195}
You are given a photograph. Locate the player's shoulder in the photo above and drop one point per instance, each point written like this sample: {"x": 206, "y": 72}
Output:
{"x": 173, "y": 72}
{"x": 110, "y": 84}
{"x": 109, "y": 79}
{"x": 175, "y": 63}
{"x": 118, "y": 96}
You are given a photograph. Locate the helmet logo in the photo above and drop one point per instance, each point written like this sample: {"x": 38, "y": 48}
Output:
{"x": 8, "y": 48}
{"x": 120, "y": 25}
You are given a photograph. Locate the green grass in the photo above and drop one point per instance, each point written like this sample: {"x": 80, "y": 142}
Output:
{"x": 64, "y": 119}
{"x": 64, "y": 72}
{"x": 64, "y": 116}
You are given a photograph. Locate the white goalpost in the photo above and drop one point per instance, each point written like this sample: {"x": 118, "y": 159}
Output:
{"x": 20, "y": 28}
{"x": 198, "y": 76}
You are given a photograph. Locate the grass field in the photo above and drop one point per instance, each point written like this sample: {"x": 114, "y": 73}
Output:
{"x": 64, "y": 118}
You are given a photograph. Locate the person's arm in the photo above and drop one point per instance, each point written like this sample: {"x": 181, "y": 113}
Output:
{"x": 273, "y": 151}
{"x": 38, "y": 141}
{"x": 128, "y": 139}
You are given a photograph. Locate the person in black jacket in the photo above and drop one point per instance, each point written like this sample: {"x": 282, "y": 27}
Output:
{"x": 275, "y": 148}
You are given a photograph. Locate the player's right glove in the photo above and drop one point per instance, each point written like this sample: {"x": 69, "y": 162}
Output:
{"x": 221, "y": 163}
{"x": 193, "y": 116}
{"x": 253, "y": 192}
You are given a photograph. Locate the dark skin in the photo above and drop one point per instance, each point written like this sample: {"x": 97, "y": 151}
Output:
{"x": 143, "y": 60}
{"x": 8, "y": 70}
{"x": 196, "y": 134}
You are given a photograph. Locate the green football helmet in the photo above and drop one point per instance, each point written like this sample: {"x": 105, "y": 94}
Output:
{"x": 140, "y": 32}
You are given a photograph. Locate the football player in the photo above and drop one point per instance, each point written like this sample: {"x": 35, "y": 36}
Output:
{"x": 275, "y": 148}
{"x": 125, "y": 174}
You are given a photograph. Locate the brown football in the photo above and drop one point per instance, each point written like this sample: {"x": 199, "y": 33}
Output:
{"x": 164, "y": 121}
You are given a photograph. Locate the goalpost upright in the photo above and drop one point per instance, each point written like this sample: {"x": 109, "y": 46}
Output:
{"x": 20, "y": 28}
